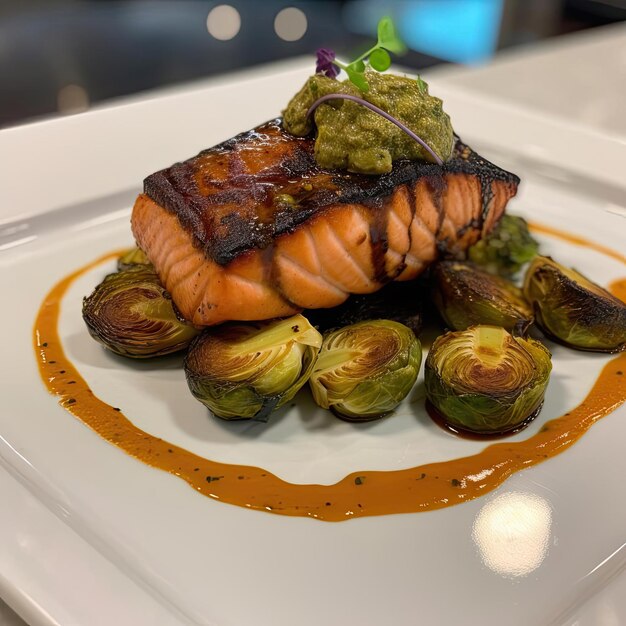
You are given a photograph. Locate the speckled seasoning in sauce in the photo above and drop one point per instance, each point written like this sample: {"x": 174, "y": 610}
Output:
{"x": 362, "y": 493}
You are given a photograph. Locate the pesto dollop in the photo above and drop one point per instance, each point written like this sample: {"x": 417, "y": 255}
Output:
{"x": 351, "y": 137}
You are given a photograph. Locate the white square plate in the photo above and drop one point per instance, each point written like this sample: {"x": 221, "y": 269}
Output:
{"x": 148, "y": 549}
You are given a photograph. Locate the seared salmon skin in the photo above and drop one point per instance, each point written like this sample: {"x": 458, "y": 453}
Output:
{"x": 254, "y": 229}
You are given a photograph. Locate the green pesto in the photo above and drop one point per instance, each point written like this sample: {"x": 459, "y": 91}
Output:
{"x": 351, "y": 137}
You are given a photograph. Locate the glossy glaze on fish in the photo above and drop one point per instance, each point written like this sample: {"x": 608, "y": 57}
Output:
{"x": 254, "y": 229}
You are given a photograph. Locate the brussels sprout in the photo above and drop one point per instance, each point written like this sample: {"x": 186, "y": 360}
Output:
{"x": 509, "y": 246}
{"x": 131, "y": 314}
{"x": 484, "y": 380}
{"x": 132, "y": 258}
{"x": 243, "y": 371}
{"x": 573, "y": 310}
{"x": 365, "y": 370}
{"x": 466, "y": 295}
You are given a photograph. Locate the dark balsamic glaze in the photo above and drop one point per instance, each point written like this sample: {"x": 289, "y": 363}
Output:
{"x": 443, "y": 423}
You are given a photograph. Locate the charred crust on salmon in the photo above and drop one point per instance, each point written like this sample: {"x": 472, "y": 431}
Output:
{"x": 245, "y": 192}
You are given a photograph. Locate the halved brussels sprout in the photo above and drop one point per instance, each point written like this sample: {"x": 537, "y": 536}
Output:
{"x": 573, "y": 310}
{"x": 484, "y": 380}
{"x": 131, "y": 314}
{"x": 506, "y": 248}
{"x": 132, "y": 258}
{"x": 365, "y": 370}
{"x": 246, "y": 370}
{"x": 465, "y": 296}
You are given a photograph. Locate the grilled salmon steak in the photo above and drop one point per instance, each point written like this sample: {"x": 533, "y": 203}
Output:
{"x": 253, "y": 228}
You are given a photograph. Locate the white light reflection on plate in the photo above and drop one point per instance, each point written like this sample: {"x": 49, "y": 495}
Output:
{"x": 512, "y": 533}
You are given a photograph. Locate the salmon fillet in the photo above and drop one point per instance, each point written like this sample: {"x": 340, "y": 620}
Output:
{"x": 254, "y": 229}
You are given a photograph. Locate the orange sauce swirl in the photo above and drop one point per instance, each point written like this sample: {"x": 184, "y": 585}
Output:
{"x": 362, "y": 493}
{"x": 618, "y": 289}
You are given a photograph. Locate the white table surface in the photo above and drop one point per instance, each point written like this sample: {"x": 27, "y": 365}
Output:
{"x": 579, "y": 78}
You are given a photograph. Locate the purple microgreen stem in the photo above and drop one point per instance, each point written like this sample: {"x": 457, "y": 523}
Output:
{"x": 372, "y": 107}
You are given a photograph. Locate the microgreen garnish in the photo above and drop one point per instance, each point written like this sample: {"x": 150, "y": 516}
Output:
{"x": 326, "y": 63}
{"x": 377, "y": 57}
{"x": 372, "y": 107}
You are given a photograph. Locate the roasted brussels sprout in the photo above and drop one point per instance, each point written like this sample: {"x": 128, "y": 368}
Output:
{"x": 246, "y": 370}
{"x": 131, "y": 314}
{"x": 573, "y": 310}
{"x": 465, "y": 296}
{"x": 132, "y": 258}
{"x": 365, "y": 370}
{"x": 507, "y": 248}
{"x": 484, "y": 380}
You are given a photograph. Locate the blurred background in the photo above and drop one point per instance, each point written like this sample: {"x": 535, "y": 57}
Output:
{"x": 64, "y": 56}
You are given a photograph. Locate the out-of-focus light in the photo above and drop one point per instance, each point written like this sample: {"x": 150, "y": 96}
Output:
{"x": 512, "y": 533}
{"x": 290, "y": 24}
{"x": 223, "y": 22}
{"x": 464, "y": 31}
{"x": 72, "y": 99}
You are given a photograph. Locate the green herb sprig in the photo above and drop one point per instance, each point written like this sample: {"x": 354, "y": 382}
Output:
{"x": 377, "y": 56}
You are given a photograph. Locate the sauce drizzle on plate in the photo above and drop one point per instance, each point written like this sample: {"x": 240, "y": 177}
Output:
{"x": 359, "y": 494}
